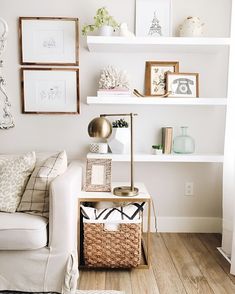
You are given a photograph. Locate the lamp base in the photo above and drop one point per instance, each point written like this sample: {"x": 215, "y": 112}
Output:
{"x": 125, "y": 191}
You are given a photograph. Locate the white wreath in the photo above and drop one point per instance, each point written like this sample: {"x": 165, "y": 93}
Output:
{"x": 6, "y": 121}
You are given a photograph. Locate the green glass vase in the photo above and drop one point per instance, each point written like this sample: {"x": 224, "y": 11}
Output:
{"x": 183, "y": 144}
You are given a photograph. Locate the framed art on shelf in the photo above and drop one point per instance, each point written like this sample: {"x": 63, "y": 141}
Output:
{"x": 155, "y": 76}
{"x": 153, "y": 18}
{"x": 98, "y": 175}
{"x": 50, "y": 90}
{"x": 49, "y": 41}
{"x": 183, "y": 85}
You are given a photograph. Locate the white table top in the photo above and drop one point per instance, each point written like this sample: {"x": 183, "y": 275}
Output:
{"x": 143, "y": 193}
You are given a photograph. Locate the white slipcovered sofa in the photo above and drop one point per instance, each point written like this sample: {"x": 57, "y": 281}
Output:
{"x": 39, "y": 257}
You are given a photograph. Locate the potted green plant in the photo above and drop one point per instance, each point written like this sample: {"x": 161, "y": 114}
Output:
{"x": 119, "y": 141}
{"x": 157, "y": 149}
{"x": 104, "y": 22}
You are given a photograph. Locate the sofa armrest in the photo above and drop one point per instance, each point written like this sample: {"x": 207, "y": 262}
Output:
{"x": 64, "y": 191}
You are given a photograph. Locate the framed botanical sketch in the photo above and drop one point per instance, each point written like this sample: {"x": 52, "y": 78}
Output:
{"x": 183, "y": 85}
{"x": 98, "y": 175}
{"x": 153, "y": 18}
{"x": 49, "y": 40}
{"x": 155, "y": 76}
{"x": 50, "y": 90}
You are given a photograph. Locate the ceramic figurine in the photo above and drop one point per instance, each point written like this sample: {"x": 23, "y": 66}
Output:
{"x": 124, "y": 32}
{"x": 191, "y": 27}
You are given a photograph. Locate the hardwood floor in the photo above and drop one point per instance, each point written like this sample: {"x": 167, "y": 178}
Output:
{"x": 180, "y": 263}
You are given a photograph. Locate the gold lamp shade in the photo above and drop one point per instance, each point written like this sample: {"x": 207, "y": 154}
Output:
{"x": 100, "y": 127}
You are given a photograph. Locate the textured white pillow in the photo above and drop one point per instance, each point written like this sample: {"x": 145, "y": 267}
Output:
{"x": 14, "y": 175}
{"x": 35, "y": 199}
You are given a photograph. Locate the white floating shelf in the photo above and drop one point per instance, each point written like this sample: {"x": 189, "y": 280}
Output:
{"x": 161, "y": 44}
{"x": 156, "y": 101}
{"x": 200, "y": 158}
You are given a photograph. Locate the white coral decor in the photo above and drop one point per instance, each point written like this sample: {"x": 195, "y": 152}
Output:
{"x": 112, "y": 78}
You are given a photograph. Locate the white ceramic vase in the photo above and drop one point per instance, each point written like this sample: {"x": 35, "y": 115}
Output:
{"x": 191, "y": 27}
{"x": 106, "y": 31}
{"x": 119, "y": 141}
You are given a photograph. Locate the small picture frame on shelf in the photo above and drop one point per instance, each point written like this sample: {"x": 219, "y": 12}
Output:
{"x": 182, "y": 85}
{"x": 98, "y": 175}
{"x": 49, "y": 41}
{"x": 153, "y": 18}
{"x": 50, "y": 90}
{"x": 155, "y": 76}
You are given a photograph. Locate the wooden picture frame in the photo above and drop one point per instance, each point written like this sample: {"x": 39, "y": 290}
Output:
{"x": 49, "y": 41}
{"x": 98, "y": 175}
{"x": 155, "y": 76}
{"x": 50, "y": 90}
{"x": 183, "y": 85}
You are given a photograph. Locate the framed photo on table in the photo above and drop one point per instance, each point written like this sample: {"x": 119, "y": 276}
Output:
{"x": 155, "y": 76}
{"x": 98, "y": 175}
{"x": 153, "y": 18}
{"x": 183, "y": 85}
{"x": 49, "y": 41}
{"x": 50, "y": 90}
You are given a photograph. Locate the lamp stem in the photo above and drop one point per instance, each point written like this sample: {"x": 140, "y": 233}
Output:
{"x": 132, "y": 152}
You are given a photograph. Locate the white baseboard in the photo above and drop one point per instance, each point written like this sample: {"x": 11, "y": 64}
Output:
{"x": 187, "y": 225}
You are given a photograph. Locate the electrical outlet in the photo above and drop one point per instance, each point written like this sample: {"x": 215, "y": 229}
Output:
{"x": 188, "y": 189}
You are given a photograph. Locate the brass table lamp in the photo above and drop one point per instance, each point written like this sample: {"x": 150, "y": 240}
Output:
{"x": 100, "y": 127}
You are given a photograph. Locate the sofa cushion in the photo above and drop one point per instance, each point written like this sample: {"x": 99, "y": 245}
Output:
{"x": 35, "y": 199}
{"x": 21, "y": 231}
{"x": 14, "y": 175}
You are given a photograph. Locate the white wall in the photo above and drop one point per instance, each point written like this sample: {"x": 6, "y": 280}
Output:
{"x": 206, "y": 124}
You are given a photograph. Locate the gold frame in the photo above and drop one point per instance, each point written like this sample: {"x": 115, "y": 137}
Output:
{"x": 48, "y": 69}
{"x": 76, "y": 41}
{"x": 106, "y": 187}
{"x": 183, "y": 74}
{"x": 149, "y": 65}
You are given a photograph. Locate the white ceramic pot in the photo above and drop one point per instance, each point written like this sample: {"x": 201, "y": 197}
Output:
{"x": 119, "y": 141}
{"x": 106, "y": 31}
{"x": 157, "y": 151}
{"x": 191, "y": 27}
{"x": 99, "y": 148}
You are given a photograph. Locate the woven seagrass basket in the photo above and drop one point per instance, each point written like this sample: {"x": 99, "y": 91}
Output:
{"x": 112, "y": 249}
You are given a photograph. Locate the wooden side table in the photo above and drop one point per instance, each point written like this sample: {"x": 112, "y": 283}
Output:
{"x": 143, "y": 196}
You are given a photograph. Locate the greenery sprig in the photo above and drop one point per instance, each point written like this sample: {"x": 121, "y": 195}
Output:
{"x": 101, "y": 18}
{"x": 120, "y": 123}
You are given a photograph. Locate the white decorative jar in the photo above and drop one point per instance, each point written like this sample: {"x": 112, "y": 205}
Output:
{"x": 119, "y": 141}
{"x": 191, "y": 27}
{"x": 99, "y": 148}
{"x": 106, "y": 31}
{"x": 157, "y": 151}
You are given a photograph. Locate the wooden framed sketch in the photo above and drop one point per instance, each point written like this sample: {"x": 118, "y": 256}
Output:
{"x": 49, "y": 40}
{"x": 153, "y": 18}
{"x": 50, "y": 90}
{"x": 183, "y": 85}
{"x": 155, "y": 76}
{"x": 98, "y": 175}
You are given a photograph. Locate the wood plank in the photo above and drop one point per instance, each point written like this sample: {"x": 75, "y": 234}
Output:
{"x": 191, "y": 276}
{"x": 216, "y": 277}
{"x": 91, "y": 280}
{"x": 143, "y": 281}
{"x": 166, "y": 275}
{"x": 119, "y": 280}
{"x": 211, "y": 241}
